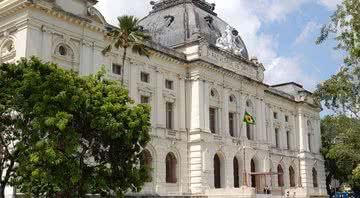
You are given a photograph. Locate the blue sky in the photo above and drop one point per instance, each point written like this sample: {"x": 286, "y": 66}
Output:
{"x": 280, "y": 33}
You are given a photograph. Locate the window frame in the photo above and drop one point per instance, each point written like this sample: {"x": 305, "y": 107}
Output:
{"x": 169, "y": 115}
{"x": 144, "y": 77}
{"x": 232, "y": 124}
{"x": 213, "y": 124}
{"x": 147, "y": 99}
{"x": 169, "y": 82}
{"x": 277, "y": 138}
{"x": 117, "y": 66}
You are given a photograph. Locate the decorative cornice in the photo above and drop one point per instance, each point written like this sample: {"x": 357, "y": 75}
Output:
{"x": 164, "y": 4}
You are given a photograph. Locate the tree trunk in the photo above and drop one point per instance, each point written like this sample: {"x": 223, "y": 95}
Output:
{"x": 328, "y": 182}
{"x": 2, "y": 192}
{"x": 123, "y": 66}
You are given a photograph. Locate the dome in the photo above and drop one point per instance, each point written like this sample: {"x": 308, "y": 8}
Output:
{"x": 173, "y": 23}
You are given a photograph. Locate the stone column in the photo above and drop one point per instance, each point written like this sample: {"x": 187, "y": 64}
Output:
{"x": 158, "y": 97}
{"x": 204, "y": 102}
{"x": 181, "y": 103}
{"x": 263, "y": 121}
{"x": 224, "y": 117}
{"x": 301, "y": 130}
{"x": 238, "y": 118}
{"x": 271, "y": 128}
{"x": 197, "y": 104}
{"x": 258, "y": 127}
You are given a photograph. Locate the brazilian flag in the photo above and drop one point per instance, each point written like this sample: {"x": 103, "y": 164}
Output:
{"x": 248, "y": 119}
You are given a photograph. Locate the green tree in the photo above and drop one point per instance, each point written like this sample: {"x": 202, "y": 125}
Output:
{"x": 131, "y": 35}
{"x": 340, "y": 132}
{"x": 84, "y": 134}
{"x": 340, "y": 147}
{"x": 345, "y": 25}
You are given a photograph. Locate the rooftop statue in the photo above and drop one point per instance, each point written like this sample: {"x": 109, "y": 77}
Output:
{"x": 231, "y": 41}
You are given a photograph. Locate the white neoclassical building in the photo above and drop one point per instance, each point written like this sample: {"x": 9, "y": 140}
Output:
{"x": 200, "y": 82}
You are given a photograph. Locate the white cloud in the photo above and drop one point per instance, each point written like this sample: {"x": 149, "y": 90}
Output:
{"x": 247, "y": 16}
{"x": 309, "y": 28}
{"x": 330, "y": 4}
{"x": 287, "y": 69}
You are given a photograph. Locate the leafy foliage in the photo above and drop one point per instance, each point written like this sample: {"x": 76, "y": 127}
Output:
{"x": 345, "y": 23}
{"x": 129, "y": 34}
{"x": 341, "y": 93}
{"x": 340, "y": 137}
{"x": 83, "y": 134}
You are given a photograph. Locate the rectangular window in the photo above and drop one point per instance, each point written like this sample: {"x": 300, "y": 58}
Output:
{"x": 286, "y": 118}
{"x": 275, "y": 115}
{"x": 232, "y": 124}
{"x": 248, "y": 132}
{"x": 169, "y": 115}
{"x": 144, "y": 99}
{"x": 277, "y": 140}
{"x": 145, "y": 77}
{"x": 116, "y": 69}
{"x": 169, "y": 84}
{"x": 288, "y": 139}
{"x": 212, "y": 117}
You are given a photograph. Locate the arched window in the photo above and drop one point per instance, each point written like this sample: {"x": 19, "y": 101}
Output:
{"x": 292, "y": 177}
{"x": 280, "y": 176}
{"x": 253, "y": 176}
{"x": 315, "y": 178}
{"x": 217, "y": 172}
{"x": 171, "y": 164}
{"x": 236, "y": 173}
{"x": 146, "y": 158}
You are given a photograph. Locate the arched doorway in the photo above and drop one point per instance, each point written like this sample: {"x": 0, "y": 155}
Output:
{"x": 236, "y": 173}
{"x": 315, "y": 178}
{"x": 171, "y": 164}
{"x": 146, "y": 158}
{"x": 217, "y": 171}
{"x": 280, "y": 176}
{"x": 253, "y": 176}
{"x": 292, "y": 177}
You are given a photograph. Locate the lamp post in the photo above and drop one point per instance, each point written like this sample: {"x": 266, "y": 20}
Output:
{"x": 245, "y": 179}
{"x": 244, "y": 169}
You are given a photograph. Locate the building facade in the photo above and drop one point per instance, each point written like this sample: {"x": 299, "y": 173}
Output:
{"x": 200, "y": 81}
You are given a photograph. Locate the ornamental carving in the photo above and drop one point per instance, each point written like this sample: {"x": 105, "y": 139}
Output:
{"x": 231, "y": 41}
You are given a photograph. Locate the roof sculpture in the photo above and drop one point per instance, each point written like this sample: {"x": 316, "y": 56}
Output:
{"x": 174, "y": 23}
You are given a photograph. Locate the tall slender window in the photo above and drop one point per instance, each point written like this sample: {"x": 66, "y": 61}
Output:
{"x": 277, "y": 140}
{"x": 288, "y": 139}
{"x": 236, "y": 173}
{"x": 280, "y": 176}
{"x": 309, "y": 142}
{"x": 253, "y": 177}
{"x": 212, "y": 117}
{"x": 169, "y": 115}
{"x": 232, "y": 124}
{"x": 315, "y": 178}
{"x": 217, "y": 172}
{"x": 248, "y": 132}
{"x": 292, "y": 177}
{"x": 171, "y": 164}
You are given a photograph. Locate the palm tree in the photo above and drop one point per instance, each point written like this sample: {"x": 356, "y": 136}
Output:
{"x": 129, "y": 34}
